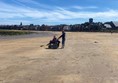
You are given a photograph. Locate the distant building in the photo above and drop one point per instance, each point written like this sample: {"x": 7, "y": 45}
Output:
{"x": 107, "y": 25}
{"x": 115, "y": 23}
{"x": 112, "y": 25}
{"x": 67, "y": 28}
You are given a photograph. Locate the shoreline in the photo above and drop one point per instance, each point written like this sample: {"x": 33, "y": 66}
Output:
{"x": 32, "y": 35}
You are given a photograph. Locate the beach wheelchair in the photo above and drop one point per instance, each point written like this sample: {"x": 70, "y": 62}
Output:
{"x": 54, "y": 44}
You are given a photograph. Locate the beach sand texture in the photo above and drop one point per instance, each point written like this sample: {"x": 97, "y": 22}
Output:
{"x": 86, "y": 58}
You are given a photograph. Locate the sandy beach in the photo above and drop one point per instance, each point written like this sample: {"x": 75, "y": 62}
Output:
{"x": 86, "y": 58}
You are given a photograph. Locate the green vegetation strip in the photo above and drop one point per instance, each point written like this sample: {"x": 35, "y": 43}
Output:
{"x": 13, "y": 32}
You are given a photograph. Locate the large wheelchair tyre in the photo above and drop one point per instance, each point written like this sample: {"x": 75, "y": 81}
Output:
{"x": 53, "y": 46}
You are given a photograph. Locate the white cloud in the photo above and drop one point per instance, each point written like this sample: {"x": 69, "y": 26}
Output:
{"x": 10, "y": 22}
{"x": 58, "y": 14}
{"x": 85, "y": 14}
{"x": 82, "y": 7}
{"x": 33, "y": 2}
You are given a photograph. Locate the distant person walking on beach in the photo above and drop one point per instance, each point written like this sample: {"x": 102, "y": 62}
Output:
{"x": 63, "y": 38}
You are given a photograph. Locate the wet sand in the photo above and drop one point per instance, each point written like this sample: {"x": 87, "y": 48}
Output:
{"x": 86, "y": 58}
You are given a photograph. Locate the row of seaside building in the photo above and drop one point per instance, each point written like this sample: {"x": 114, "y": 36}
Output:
{"x": 87, "y": 26}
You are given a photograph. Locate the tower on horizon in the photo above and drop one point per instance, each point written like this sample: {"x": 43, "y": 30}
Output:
{"x": 90, "y": 20}
{"x": 21, "y": 24}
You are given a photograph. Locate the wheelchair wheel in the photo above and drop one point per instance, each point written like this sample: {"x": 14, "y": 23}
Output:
{"x": 53, "y": 46}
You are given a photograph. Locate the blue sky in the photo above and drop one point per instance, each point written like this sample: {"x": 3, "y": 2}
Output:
{"x": 53, "y": 12}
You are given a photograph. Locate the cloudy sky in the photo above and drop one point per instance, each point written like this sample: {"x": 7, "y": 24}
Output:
{"x": 57, "y": 11}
